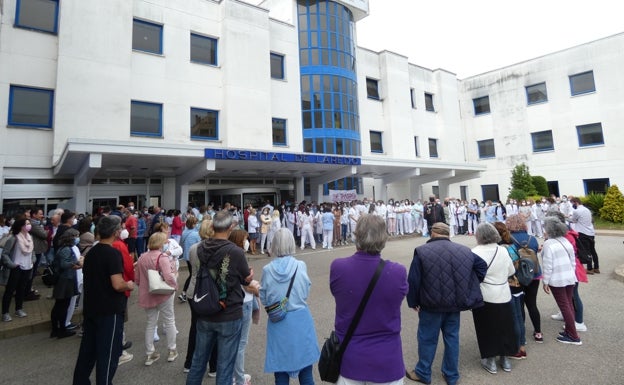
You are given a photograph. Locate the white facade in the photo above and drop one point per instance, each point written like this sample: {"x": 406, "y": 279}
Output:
{"x": 89, "y": 153}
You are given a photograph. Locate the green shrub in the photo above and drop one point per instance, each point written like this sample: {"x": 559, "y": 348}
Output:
{"x": 613, "y": 208}
{"x": 517, "y": 194}
{"x": 594, "y": 202}
{"x": 541, "y": 185}
{"x": 521, "y": 180}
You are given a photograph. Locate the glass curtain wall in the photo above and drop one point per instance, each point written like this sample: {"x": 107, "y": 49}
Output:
{"x": 329, "y": 100}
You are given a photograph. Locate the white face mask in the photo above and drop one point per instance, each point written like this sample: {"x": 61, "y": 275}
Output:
{"x": 124, "y": 234}
{"x": 246, "y": 245}
{"x": 75, "y": 221}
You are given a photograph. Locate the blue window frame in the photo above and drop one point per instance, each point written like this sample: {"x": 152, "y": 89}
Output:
{"x": 30, "y": 107}
{"x": 277, "y": 66}
{"x": 145, "y": 119}
{"x": 279, "y": 132}
{"x": 590, "y": 135}
{"x": 203, "y": 49}
{"x": 542, "y": 141}
{"x": 486, "y": 149}
{"x": 481, "y": 105}
{"x": 375, "y": 142}
{"x": 582, "y": 83}
{"x": 204, "y": 124}
{"x": 147, "y": 37}
{"x": 596, "y": 186}
{"x": 536, "y": 94}
{"x": 39, "y": 15}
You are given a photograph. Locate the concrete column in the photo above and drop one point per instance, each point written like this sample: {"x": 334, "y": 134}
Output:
{"x": 81, "y": 198}
{"x": 182, "y": 192}
{"x": 299, "y": 196}
{"x": 169, "y": 198}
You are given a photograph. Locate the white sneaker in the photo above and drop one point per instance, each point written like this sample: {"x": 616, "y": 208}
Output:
{"x": 247, "y": 378}
{"x": 557, "y": 317}
{"x": 125, "y": 357}
{"x": 6, "y": 317}
{"x": 20, "y": 313}
{"x": 580, "y": 327}
{"x": 152, "y": 358}
{"x": 173, "y": 354}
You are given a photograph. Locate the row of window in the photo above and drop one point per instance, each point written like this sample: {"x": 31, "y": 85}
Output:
{"x": 588, "y": 135}
{"x": 33, "y": 107}
{"x": 580, "y": 84}
{"x": 376, "y": 144}
{"x": 372, "y": 92}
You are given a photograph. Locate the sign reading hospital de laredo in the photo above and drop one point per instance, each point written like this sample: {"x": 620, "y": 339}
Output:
{"x": 270, "y": 156}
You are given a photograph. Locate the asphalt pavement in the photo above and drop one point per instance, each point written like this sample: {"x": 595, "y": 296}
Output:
{"x": 31, "y": 357}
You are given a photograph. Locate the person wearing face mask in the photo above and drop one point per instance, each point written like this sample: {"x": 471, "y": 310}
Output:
{"x": 525, "y": 212}
{"x": 392, "y": 215}
{"x": 240, "y": 239}
{"x": 18, "y": 259}
{"x": 473, "y": 216}
{"x": 566, "y": 207}
{"x": 66, "y": 288}
{"x": 67, "y": 222}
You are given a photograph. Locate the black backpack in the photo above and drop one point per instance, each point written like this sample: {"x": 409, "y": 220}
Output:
{"x": 209, "y": 298}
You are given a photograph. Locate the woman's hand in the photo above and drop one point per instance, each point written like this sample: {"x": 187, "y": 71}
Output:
{"x": 547, "y": 289}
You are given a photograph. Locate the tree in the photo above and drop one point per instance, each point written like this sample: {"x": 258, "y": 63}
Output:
{"x": 613, "y": 208}
{"x": 521, "y": 180}
{"x": 541, "y": 185}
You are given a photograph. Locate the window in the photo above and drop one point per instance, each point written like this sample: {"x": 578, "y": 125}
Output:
{"x": 433, "y": 148}
{"x": 542, "y": 141}
{"x": 279, "y": 132}
{"x": 486, "y": 149}
{"x": 590, "y": 134}
{"x": 429, "y": 102}
{"x": 412, "y": 99}
{"x": 375, "y": 141}
{"x": 277, "y": 66}
{"x": 596, "y": 186}
{"x": 490, "y": 192}
{"x": 372, "y": 89}
{"x": 416, "y": 147}
{"x": 203, "y": 49}
{"x": 147, "y": 37}
{"x": 204, "y": 124}
{"x": 145, "y": 119}
{"x": 582, "y": 83}
{"x": 481, "y": 105}
{"x": 30, "y": 107}
{"x": 536, "y": 94}
{"x": 40, "y": 15}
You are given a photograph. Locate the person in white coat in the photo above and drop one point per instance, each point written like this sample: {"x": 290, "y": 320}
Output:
{"x": 306, "y": 226}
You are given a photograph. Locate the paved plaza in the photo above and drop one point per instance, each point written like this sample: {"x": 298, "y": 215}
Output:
{"x": 33, "y": 358}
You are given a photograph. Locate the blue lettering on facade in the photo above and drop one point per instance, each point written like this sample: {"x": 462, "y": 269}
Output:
{"x": 220, "y": 154}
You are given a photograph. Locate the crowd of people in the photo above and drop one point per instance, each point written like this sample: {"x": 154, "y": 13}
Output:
{"x": 99, "y": 260}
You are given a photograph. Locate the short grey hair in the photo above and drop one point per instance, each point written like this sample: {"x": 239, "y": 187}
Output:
{"x": 222, "y": 221}
{"x": 554, "y": 227}
{"x": 283, "y": 243}
{"x": 556, "y": 214}
{"x": 107, "y": 226}
{"x": 370, "y": 234}
{"x": 486, "y": 233}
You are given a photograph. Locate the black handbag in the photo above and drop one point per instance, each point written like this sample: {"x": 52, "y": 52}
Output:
{"x": 332, "y": 351}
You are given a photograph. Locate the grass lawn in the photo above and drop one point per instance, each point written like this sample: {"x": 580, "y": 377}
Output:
{"x": 604, "y": 225}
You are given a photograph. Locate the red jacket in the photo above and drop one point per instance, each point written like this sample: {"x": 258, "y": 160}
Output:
{"x": 128, "y": 261}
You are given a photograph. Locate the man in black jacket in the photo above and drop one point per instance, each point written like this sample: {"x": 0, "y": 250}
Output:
{"x": 443, "y": 280}
{"x": 434, "y": 213}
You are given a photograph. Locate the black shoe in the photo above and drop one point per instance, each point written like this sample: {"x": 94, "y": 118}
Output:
{"x": 65, "y": 334}
{"x": 32, "y": 296}
{"x": 127, "y": 345}
{"x": 72, "y": 326}
{"x": 54, "y": 333}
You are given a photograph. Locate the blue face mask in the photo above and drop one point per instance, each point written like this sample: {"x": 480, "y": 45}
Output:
{"x": 76, "y": 241}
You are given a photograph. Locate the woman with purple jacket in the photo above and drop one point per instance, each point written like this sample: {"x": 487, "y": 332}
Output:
{"x": 374, "y": 354}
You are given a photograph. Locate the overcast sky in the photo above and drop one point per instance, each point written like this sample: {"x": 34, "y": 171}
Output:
{"x": 472, "y": 37}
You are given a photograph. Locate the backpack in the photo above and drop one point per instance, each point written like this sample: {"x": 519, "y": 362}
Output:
{"x": 525, "y": 254}
{"x": 525, "y": 271}
{"x": 210, "y": 292}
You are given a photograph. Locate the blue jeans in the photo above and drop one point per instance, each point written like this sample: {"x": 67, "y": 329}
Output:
{"x": 578, "y": 305}
{"x": 517, "y": 312}
{"x": 227, "y": 337}
{"x": 100, "y": 347}
{"x": 429, "y": 326}
{"x": 239, "y": 366}
{"x": 305, "y": 377}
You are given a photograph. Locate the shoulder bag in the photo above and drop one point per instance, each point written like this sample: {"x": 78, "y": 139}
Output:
{"x": 157, "y": 284}
{"x": 332, "y": 351}
{"x": 277, "y": 311}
